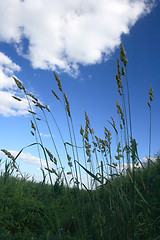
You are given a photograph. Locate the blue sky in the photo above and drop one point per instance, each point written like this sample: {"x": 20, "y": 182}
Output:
{"x": 80, "y": 41}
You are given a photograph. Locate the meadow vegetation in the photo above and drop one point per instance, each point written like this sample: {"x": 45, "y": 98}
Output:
{"x": 119, "y": 198}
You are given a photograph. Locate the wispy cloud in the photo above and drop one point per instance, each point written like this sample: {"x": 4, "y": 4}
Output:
{"x": 46, "y": 135}
{"x": 63, "y": 34}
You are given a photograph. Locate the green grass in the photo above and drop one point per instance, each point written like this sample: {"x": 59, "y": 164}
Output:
{"x": 30, "y": 210}
{"x": 119, "y": 200}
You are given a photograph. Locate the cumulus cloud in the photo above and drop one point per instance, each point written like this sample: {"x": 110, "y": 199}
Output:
{"x": 8, "y": 88}
{"x": 63, "y": 34}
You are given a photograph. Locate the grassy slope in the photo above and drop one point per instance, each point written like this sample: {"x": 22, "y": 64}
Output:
{"x": 31, "y": 210}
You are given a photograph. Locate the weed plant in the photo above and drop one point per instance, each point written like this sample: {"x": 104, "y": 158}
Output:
{"x": 120, "y": 198}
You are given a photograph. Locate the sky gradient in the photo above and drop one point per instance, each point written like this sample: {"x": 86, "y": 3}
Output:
{"x": 80, "y": 41}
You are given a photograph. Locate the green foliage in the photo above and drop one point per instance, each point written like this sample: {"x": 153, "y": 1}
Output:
{"x": 30, "y": 210}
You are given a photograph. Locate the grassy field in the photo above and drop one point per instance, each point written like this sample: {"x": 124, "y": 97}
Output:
{"x": 31, "y": 210}
{"x": 120, "y": 198}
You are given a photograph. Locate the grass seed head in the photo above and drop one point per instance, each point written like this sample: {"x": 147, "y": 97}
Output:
{"x": 88, "y": 149}
{"x": 70, "y": 164}
{"x": 86, "y": 136}
{"x": 119, "y": 78}
{"x": 68, "y": 157}
{"x": 49, "y": 154}
{"x": 17, "y": 98}
{"x": 119, "y": 111}
{"x": 32, "y": 96}
{"x": 55, "y": 95}
{"x": 107, "y": 134}
{"x": 114, "y": 124}
{"x": 123, "y": 71}
{"x": 125, "y": 62}
{"x": 117, "y": 105}
{"x": 122, "y": 118}
{"x": 97, "y": 139}
{"x": 123, "y": 55}
{"x": 55, "y": 161}
{"x": 67, "y": 105}
{"x": 7, "y": 153}
{"x": 119, "y": 147}
{"x": 58, "y": 81}
{"x": 32, "y": 133}
{"x": 118, "y": 66}
{"x": 81, "y": 130}
{"x": 40, "y": 106}
{"x": 93, "y": 132}
{"x": 149, "y": 104}
{"x": 90, "y": 130}
{"x": 87, "y": 119}
{"x": 31, "y": 112}
{"x": 19, "y": 84}
{"x": 33, "y": 126}
{"x": 151, "y": 93}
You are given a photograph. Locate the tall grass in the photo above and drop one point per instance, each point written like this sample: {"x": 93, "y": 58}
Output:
{"x": 113, "y": 202}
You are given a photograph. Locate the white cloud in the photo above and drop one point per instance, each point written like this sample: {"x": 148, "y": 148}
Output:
{"x": 65, "y": 33}
{"x": 7, "y": 68}
{"x": 46, "y": 135}
{"x": 11, "y": 107}
{"x": 145, "y": 160}
{"x": 8, "y": 105}
{"x": 7, "y": 64}
{"x": 27, "y": 158}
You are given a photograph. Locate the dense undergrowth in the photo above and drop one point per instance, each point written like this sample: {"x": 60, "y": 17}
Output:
{"x": 119, "y": 199}
{"x": 31, "y": 210}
